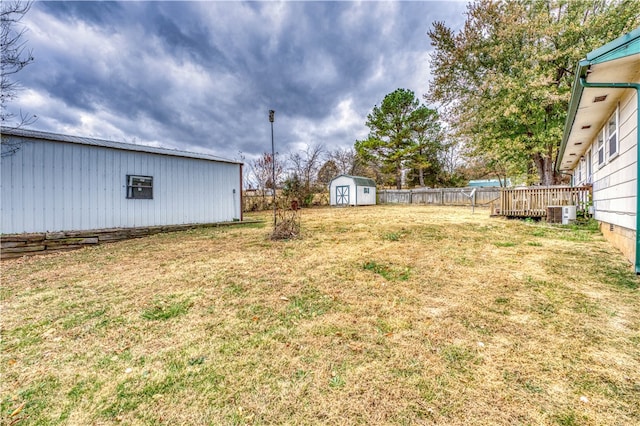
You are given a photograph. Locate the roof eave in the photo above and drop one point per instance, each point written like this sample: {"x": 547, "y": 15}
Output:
{"x": 574, "y": 103}
{"x": 621, "y": 47}
{"x": 79, "y": 140}
{"x": 615, "y": 49}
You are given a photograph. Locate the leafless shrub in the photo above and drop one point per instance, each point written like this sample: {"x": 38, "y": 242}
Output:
{"x": 287, "y": 221}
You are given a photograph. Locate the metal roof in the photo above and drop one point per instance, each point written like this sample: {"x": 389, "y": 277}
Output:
{"x": 617, "y": 61}
{"x": 35, "y": 134}
{"x": 359, "y": 180}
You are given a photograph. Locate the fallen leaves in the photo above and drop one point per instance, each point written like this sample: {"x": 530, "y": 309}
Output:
{"x": 17, "y": 410}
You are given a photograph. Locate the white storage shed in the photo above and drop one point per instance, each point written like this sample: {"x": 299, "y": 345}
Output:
{"x": 53, "y": 182}
{"x": 346, "y": 190}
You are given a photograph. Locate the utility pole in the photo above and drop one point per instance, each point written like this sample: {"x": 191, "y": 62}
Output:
{"x": 272, "y": 114}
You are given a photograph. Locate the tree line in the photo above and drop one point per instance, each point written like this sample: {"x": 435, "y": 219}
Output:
{"x": 502, "y": 86}
{"x": 503, "y": 82}
{"x": 406, "y": 146}
{"x": 303, "y": 174}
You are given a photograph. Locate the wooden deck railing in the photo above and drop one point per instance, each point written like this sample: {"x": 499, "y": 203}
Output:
{"x": 533, "y": 201}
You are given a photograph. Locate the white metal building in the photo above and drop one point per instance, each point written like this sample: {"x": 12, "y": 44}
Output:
{"x": 600, "y": 141}
{"x": 346, "y": 190}
{"x": 55, "y": 182}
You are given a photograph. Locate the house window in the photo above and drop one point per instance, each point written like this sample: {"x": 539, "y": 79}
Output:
{"x": 140, "y": 187}
{"x": 589, "y": 166}
{"x": 580, "y": 171}
{"x": 611, "y": 134}
{"x": 366, "y": 190}
{"x": 600, "y": 149}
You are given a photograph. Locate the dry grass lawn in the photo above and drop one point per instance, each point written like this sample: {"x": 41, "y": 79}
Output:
{"x": 378, "y": 315}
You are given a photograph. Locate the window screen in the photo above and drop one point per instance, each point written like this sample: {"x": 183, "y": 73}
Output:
{"x": 612, "y": 134}
{"x": 589, "y": 160}
{"x": 140, "y": 187}
{"x": 579, "y": 172}
{"x": 600, "y": 149}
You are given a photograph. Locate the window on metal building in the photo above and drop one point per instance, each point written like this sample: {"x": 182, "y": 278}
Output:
{"x": 140, "y": 187}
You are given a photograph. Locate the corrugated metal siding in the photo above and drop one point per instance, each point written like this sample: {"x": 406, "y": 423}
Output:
{"x": 35, "y": 134}
{"x": 54, "y": 186}
{"x": 615, "y": 183}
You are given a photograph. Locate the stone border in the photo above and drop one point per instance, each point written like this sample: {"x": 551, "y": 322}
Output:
{"x": 18, "y": 245}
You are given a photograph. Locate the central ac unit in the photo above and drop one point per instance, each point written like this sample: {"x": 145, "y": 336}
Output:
{"x": 554, "y": 214}
{"x": 568, "y": 214}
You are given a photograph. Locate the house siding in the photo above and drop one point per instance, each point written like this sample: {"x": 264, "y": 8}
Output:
{"x": 615, "y": 183}
{"x": 607, "y": 80}
{"x": 58, "y": 186}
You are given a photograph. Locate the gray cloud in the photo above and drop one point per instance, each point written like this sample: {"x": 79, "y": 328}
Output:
{"x": 202, "y": 75}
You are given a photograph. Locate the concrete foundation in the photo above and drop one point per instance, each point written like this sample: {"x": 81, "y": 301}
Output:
{"x": 623, "y": 239}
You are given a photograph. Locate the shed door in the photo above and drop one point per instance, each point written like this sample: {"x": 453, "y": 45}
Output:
{"x": 342, "y": 195}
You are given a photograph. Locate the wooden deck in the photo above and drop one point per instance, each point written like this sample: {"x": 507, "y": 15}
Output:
{"x": 533, "y": 201}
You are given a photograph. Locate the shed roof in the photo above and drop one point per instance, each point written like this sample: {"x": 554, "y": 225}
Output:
{"x": 359, "y": 180}
{"x": 615, "y": 62}
{"x": 35, "y": 134}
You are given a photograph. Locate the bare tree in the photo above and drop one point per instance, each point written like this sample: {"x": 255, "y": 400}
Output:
{"x": 305, "y": 165}
{"x": 347, "y": 161}
{"x": 328, "y": 171}
{"x": 262, "y": 170}
{"x": 14, "y": 56}
{"x": 247, "y": 181}
{"x": 452, "y": 156}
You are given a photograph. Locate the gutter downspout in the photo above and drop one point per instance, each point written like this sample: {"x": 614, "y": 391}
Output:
{"x": 584, "y": 83}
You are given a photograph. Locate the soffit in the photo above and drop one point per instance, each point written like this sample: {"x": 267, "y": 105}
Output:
{"x": 591, "y": 113}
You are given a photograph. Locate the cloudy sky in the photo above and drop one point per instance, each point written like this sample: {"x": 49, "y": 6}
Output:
{"x": 201, "y": 76}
